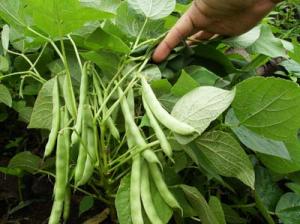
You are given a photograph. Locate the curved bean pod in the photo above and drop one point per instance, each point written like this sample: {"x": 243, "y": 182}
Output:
{"x": 162, "y": 115}
{"x": 164, "y": 143}
{"x": 55, "y": 119}
{"x": 162, "y": 187}
{"x": 146, "y": 197}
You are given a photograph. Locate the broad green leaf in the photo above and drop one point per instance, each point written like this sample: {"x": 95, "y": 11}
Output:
{"x": 23, "y": 110}
{"x": 25, "y": 161}
{"x": 86, "y": 204}
{"x": 292, "y": 67}
{"x": 216, "y": 207}
{"x": 41, "y": 117}
{"x": 100, "y": 39}
{"x": 12, "y": 12}
{"x": 5, "y": 38}
{"x": 153, "y": 9}
{"x": 269, "y": 107}
{"x": 203, "y": 105}
{"x": 288, "y": 208}
{"x": 131, "y": 24}
{"x": 202, "y": 76}
{"x": 5, "y": 96}
{"x": 58, "y": 18}
{"x": 106, "y": 61}
{"x": 108, "y": 6}
{"x": 280, "y": 165}
{"x": 4, "y": 64}
{"x": 204, "y": 164}
{"x": 268, "y": 44}
{"x": 184, "y": 84}
{"x": 263, "y": 209}
{"x": 199, "y": 204}
{"x": 232, "y": 217}
{"x": 11, "y": 171}
{"x": 122, "y": 201}
{"x": 212, "y": 59}
{"x": 267, "y": 190}
{"x": 23, "y": 42}
{"x": 245, "y": 40}
{"x": 187, "y": 209}
{"x": 294, "y": 187}
{"x": 226, "y": 156}
{"x": 254, "y": 141}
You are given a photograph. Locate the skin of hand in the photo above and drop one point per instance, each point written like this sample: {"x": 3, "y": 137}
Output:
{"x": 205, "y": 18}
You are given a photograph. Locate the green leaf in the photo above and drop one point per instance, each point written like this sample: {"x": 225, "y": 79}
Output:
{"x": 4, "y": 64}
{"x": 269, "y": 107}
{"x": 213, "y": 59}
{"x": 226, "y": 156}
{"x": 23, "y": 110}
{"x": 268, "y": 44}
{"x": 106, "y": 61}
{"x": 216, "y": 207}
{"x": 245, "y": 40}
{"x": 254, "y": 141}
{"x": 131, "y": 24}
{"x": 12, "y": 12}
{"x": 294, "y": 187}
{"x": 5, "y": 96}
{"x": 41, "y": 117}
{"x": 5, "y": 38}
{"x": 108, "y": 6}
{"x": 25, "y": 161}
{"x": 280, "y": 165}
{"x": 153, "y": 9}
{"x": 100, "y": 39}
{"x": 184, "y": 84}
{"x": 199, "y": 204}
{"x": 267, "y": 190}
{"x": 203, "y": 105}
{"x": 58, "y": 18}
{"x": 122, "y": 201}
{"x": 202, "y": 76}
{"x": 11, "y": 171}
{"x": 232, "y": 216}
{"x": 288, "y": 208}
{"x": 86, "y": 204}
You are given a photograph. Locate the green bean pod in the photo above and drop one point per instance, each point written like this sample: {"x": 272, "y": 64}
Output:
{"x": 55, "y": 119}
{"x": 147, "y": 197}
{"x": 62, "y": 169}
{"x": 69, "y": 96}
{"x": 162, "y": 115}
{"x": 67, "y": 204}
{"x": 83, "y": 93}
{"x": 162, "y": 187}
{"x": 135, "y": 178}
{"x": 134, "y": 130}
{"x": 110, "y": 123}
{"x": 164, "y": 143}
{"x": 80, "y": 165}
{"x": 91, "y": 158}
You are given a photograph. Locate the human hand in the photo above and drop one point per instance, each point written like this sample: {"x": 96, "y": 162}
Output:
{"x": 205, "y": 18}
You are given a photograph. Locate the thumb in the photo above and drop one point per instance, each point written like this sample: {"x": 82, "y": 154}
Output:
{"x": 192, "y": 21}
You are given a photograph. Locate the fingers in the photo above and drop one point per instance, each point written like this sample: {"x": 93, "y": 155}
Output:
{"x": 193, "y": 20}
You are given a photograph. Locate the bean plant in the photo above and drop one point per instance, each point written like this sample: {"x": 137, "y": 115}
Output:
{"x": 199, "y": 138}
